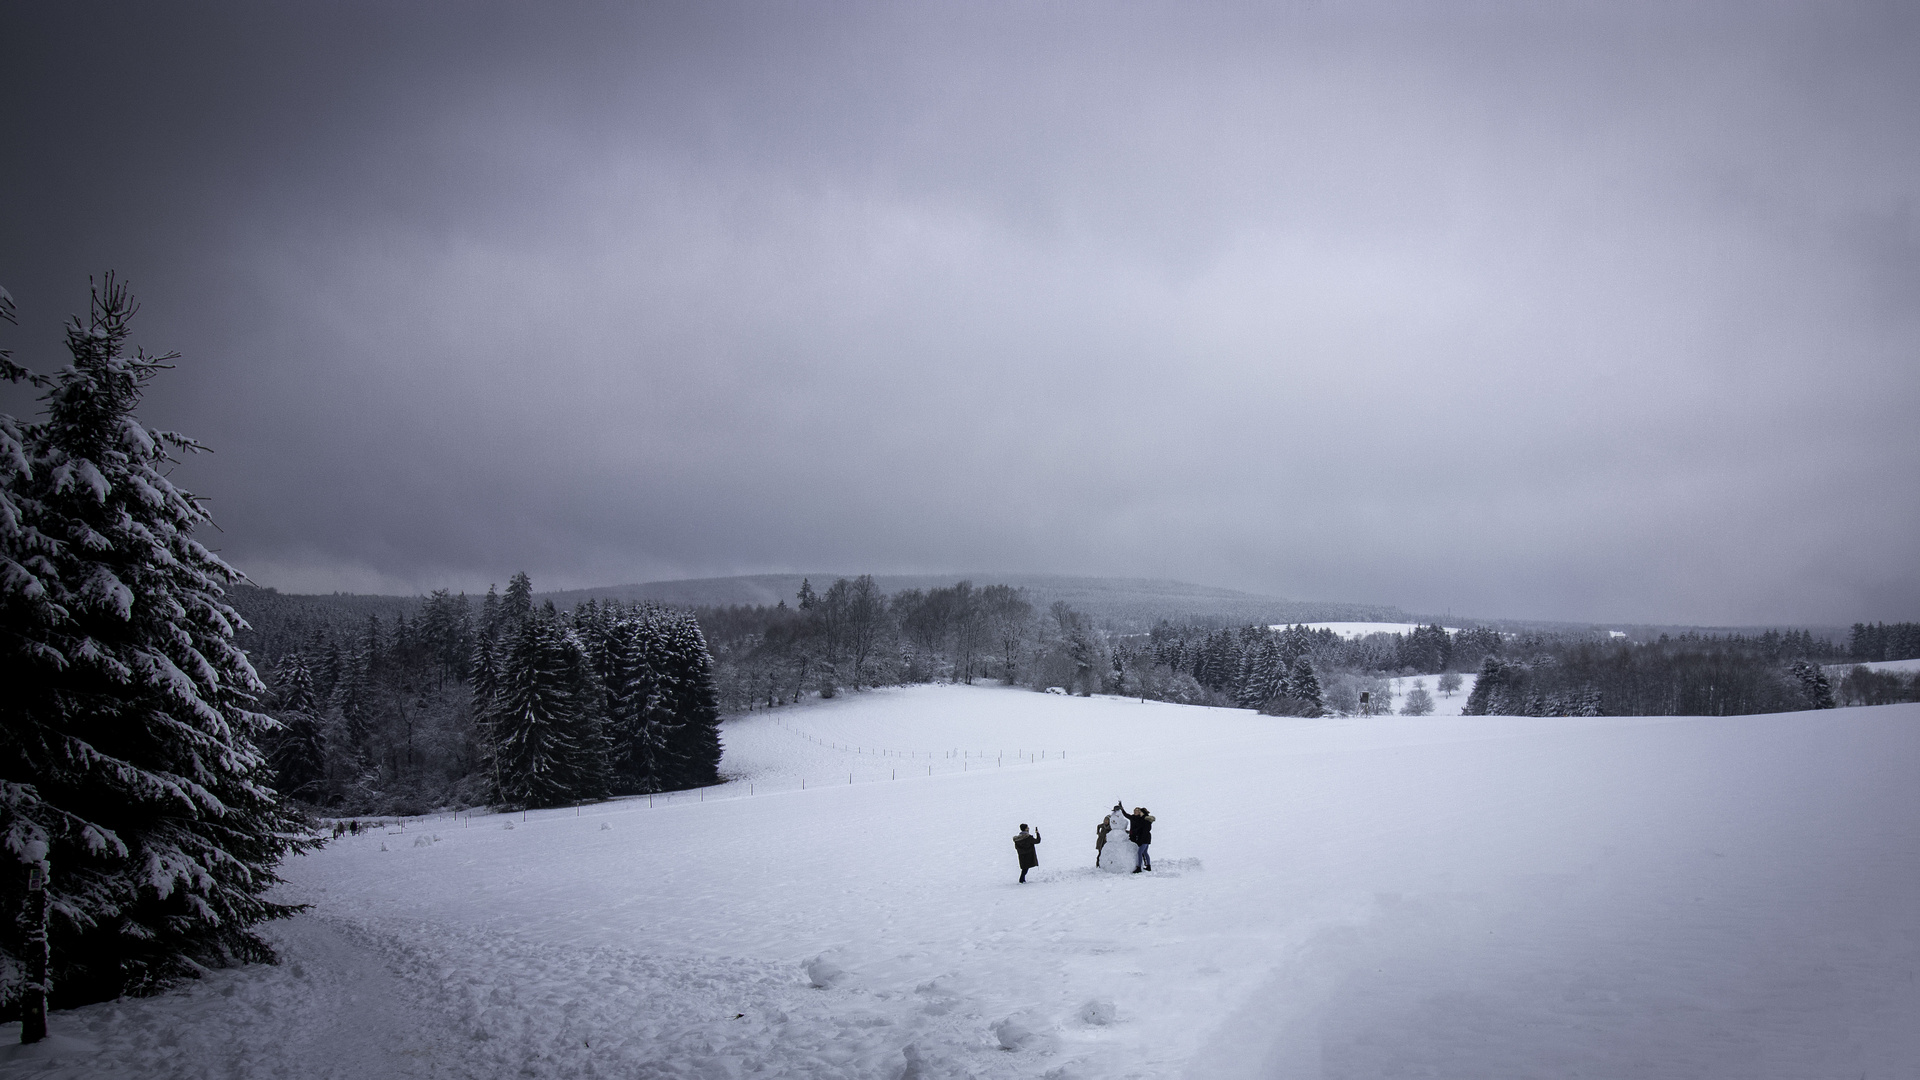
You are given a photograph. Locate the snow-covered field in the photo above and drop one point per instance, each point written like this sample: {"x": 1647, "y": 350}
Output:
{"x": 1904, "y": 667}
{"x": 1362, "y": 629}
{"x": 1471, "y": 897}
{"x": 1443, "y": 704}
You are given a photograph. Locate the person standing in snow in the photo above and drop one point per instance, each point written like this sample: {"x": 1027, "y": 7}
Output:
{"x": 1100, "y": 832}
{"x": 1140, "y": 831}
{"x": 1023, "y": 845}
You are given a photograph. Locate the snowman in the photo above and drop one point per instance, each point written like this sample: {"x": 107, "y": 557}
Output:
{"x": 1117, "y": 856}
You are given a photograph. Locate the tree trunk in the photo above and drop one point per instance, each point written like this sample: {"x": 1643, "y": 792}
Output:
{"x": 33, "y": 1004}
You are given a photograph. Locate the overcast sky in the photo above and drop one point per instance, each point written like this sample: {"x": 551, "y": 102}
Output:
{"x": 1525, "y": 310}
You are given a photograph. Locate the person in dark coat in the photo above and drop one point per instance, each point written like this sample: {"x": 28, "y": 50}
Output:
{"x": 1023, "y": 844}
{"x": 1140, "y": 831}
{"x": 1100, "y": 832}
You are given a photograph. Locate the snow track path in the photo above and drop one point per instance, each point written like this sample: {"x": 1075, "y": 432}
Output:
{"x": 333, "y": 1009}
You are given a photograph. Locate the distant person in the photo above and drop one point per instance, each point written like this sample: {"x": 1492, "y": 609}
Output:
{"x": 1100, "y": 832}
{"x": 1140, "y": 831}
{"x": 1023, "y": 845}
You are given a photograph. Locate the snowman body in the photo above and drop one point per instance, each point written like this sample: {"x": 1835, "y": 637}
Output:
{"x": 1117, "y": 856}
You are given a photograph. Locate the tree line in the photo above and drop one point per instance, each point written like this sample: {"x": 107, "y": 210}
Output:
{"x": 1664, "y": 678}
{"x": 510, "y": 705}
{"x": 1884, "y": 641}
{"x": 851, "y": 635}
{"x": 1862, "y": 685}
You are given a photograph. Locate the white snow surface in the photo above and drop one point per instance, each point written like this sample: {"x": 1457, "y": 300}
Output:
{"x": 1904, "y": 667}
{"x": 1475, "y": 897}
{"x": 1362, "y": 629}
{"x": 1443, "y": 704}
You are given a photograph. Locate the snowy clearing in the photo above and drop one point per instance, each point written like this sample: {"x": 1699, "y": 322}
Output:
{"x": 1904, "y": 667}
{"x": 1438, "y": 896}
{"x": 1362, "y": 629}
{"x": 1443, "y": 704}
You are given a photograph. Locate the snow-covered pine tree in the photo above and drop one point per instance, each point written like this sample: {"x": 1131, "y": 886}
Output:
{"x": 1304, "y": 686}
{"x": 1588, "y": 702}
{"x": 326, "y": 679}
{"x": 128, "y": 742}
{"x": 694, "y": 743}
{"x": 1498, "y": 691}
{"x": 1814, "y": 685}
{"x": 1275, "y": 667}
{"x": 299, "y": 753}
{"x": 490, "y": 613}
{"x": 446, "y": 630}
{"x": 1265, "y": 679}
{"x": 517, "y": 605}
{"x": 545, "y": 738}
{"x": 592, "y": 772}
{"x": 293, "y": 684}
{"x": 528, "y": 727}
{"x": 1246, "y": 676}
{"x": 352, "y": 706}
{"x": 1214, "y": 664}
{"x": 635, "y": 729}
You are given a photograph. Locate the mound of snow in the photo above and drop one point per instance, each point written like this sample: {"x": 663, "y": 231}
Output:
{"x": 822, "y": 972}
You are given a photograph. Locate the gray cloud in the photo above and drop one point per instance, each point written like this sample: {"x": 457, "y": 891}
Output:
{"x": 1577, "y": 313}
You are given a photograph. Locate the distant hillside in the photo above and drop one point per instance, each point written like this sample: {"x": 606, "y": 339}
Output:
{"x": 1124, "y": 604}
{"x": 281, "y": 621}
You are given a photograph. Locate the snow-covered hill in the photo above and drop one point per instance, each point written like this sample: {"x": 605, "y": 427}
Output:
{"x": 1441, "y": 896}
{"x": 1902, "y": 667}
{"x": 1362, "y": 629}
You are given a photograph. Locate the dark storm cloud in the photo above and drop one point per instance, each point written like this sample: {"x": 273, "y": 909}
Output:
{"x": 1522, "y": 309}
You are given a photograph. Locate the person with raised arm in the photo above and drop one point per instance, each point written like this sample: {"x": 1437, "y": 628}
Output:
{"x": 1023, "y": 843}
{"x": 1140, "y": 831}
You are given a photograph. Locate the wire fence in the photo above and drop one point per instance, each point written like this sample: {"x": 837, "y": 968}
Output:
{"x": 884, "y": 765}
{"x": 956, "y": 753}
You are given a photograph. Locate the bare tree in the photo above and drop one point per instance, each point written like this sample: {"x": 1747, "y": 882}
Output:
{"x": 830, "y": 619}
{"x": 1010, "y": 621}
{"x": 1419, "y": 702}
{"x": 970, "y": 633}
{"x": 866, "y": 623}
